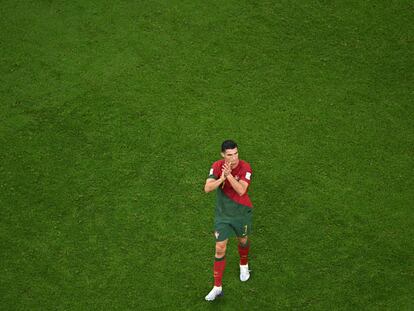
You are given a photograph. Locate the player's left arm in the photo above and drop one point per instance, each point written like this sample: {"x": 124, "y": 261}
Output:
{"x": 239, "y": 186}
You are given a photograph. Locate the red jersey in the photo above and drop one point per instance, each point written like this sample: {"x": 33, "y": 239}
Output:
{"x": 242, "y": 171}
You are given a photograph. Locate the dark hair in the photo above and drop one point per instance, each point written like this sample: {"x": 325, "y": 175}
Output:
{"x": 228, "y": 144}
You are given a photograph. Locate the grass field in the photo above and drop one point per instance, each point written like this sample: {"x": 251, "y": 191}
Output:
{"x": 113, "y": 111}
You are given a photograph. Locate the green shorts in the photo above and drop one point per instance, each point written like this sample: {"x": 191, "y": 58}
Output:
{"x": 234, "y": 220}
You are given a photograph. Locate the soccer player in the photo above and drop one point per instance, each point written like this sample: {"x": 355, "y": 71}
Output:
{"x": 233, "y": 216}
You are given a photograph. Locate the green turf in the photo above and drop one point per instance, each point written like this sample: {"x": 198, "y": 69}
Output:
{"x": 112, "y": 112}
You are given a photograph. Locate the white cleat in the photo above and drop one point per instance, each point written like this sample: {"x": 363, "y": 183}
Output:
{"x": 244, "y": 273}
{"x": 217, "y": 291}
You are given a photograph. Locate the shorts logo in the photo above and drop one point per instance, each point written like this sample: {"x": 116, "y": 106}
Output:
{"x": 248, "y": 174}
{"x": 217, "y": 234}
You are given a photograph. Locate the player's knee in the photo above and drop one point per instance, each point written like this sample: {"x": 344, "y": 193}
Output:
{"x": 220, "y": 254}
{"x": 220, "y": 250}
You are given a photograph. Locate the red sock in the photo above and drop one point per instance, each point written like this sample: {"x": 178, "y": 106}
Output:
{"x": 244, "y": 253}
{"x": 219, "y": 265}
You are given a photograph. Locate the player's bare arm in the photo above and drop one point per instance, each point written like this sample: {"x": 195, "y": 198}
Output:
{"x": 212, "y": 184}
{"x": 239, "y": 186}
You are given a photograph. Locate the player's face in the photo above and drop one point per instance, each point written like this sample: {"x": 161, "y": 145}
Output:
{"x": 231, "y": 156}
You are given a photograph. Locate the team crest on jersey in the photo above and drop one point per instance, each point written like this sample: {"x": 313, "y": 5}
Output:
{"x": 217, "y": 234}
{"x": 237, "y": 177}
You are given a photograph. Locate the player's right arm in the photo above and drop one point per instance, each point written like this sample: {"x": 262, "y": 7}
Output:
{"x": 212, "y": 182}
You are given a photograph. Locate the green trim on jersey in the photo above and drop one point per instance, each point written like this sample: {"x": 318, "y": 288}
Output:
{"x": 227, "y": 208}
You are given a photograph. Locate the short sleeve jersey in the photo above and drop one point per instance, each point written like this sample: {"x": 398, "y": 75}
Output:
{"x": 243, "y": 172}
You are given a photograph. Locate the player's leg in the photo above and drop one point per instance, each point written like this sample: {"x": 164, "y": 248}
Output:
{"x": 219, "y": 262}
{"x": 219, "y": 266}
{"x": 221, "y": 247}
{"x": 244, "y": 247}
{"x": 243, "y": 226}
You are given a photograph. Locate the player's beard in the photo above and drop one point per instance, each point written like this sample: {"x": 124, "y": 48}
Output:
{"x": 234, "y": 165}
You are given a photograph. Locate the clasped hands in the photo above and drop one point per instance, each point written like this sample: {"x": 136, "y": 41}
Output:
{"x": 225, "y": 171}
